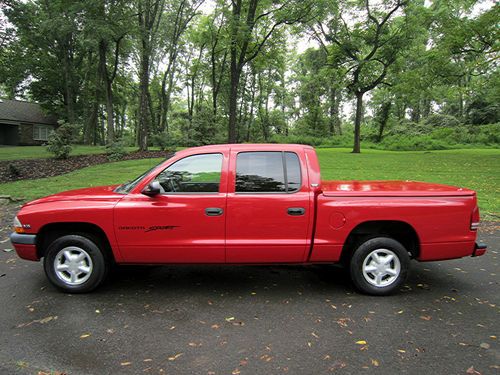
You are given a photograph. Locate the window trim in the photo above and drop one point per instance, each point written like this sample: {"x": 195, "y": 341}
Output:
{"x": 37, "y": 129}
{"x": 195, "y": 192}
{"x": 285, "y": 172}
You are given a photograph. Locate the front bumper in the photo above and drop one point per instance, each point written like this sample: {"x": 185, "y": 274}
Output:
{"x": 479, "y": 249}
{"x": 25, "y": 245}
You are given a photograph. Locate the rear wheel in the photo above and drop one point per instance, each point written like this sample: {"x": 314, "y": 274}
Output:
{"x": 379, "y": 266}
{"x": 75, "y": 264}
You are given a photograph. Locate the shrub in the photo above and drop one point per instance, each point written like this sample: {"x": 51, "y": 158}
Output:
{"x": 115, "y": 150}
{"x": 13, "y": 170}
{"x": 60, "y": 140}
{"x": 446, "y": 121}
{"x": 162, "y": 140}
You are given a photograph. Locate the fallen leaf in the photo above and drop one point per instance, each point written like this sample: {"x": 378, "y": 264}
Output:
{"x": 485, "y": 345}
{"x": 375, "y": 363}
{"x": 126, "y": 363}
{"x": 401, "y": 351}
{"x": 174, "y": 357}
{"x": 361, "y": 342}
{"x": 236, "y": 371}
{"x": 471, "y": 370}
{"x": 85, "y": 335}
{"x": 426, "y": 317}
{"x": 266, "y": 358}
{"x": 47, "y": 319}
{"x": 230, "y": 319}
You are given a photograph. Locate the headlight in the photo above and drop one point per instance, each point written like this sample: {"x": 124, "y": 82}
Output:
{"x": 18, "y": 227}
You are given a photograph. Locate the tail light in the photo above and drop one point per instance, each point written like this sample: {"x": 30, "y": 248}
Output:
{"x": 474, "y": 220}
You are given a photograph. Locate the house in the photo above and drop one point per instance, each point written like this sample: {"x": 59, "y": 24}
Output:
{"x": 24, "y": 123}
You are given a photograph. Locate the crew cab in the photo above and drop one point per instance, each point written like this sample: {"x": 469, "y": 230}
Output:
{"x": 248, "y": 204}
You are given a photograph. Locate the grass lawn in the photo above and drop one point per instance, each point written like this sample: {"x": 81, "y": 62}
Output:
{"x": 478, "y": 169}
{"x": 37, "y": 152}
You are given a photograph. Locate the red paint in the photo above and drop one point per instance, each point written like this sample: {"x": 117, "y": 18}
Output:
{"x": 390, "y": 188}
{"x": 256, "y": 228}
{"x": 27, "y": 252}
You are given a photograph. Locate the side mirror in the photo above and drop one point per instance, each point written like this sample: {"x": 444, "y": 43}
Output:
{"x": 152, "y": 189}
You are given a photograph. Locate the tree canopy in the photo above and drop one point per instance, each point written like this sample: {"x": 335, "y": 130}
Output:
{"x": 192, "y": 72}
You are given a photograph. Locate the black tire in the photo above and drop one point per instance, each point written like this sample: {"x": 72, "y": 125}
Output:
{"x": 371, "y": 250}
{"x": 93, "y": 259}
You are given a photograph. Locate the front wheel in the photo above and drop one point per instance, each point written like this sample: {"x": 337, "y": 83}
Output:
{"x": 379, "y": 266}
{"x": 75, "y": 264}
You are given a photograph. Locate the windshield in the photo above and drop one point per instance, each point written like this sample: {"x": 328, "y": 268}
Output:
{"x": 128, "y": 186}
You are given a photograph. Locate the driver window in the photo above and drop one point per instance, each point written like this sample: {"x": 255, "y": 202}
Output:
{"x": 193, "y": 174}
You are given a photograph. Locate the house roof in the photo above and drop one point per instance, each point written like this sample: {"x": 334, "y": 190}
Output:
{"x": 21, "y": 111}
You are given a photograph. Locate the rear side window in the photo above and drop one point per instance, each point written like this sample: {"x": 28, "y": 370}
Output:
{"x": 293, "y": 171}
{"x": 267, "y": 172}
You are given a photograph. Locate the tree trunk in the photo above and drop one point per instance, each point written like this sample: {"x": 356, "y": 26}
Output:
{"x": 356, "y": 149}
{"x": 334, "y": 123}
{"x": 103, "y": 48}
{"x": 426, "y": 108}
{"x": 68, "y": 86}
{"x": 89, "y": 135}
{"x": 144, "y": 118}
{"x": 233, "y": 101}
{"x": 415, "y": 113}
{"x": 383, "y": 118}
{"x": 252, "y": 107}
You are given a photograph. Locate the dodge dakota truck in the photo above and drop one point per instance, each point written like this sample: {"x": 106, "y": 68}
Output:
{"x": 248, "y": 204}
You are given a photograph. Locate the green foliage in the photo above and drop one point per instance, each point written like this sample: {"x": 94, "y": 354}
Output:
{"x": 162, "y": 140}
{"x": 83, "y": 62}
{"x": 409, "y": 136}
{"x": 60, "y": 140}
{"x": 438, "y": 120}
{"x": 480, "y": 111}
{"x": 116, "y": 150}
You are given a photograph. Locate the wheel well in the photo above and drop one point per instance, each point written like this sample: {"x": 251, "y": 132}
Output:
{"x": 398, "y": 230}
{"x": 51, "y": 232}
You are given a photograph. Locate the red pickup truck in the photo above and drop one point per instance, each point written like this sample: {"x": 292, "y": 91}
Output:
{"x": 248, "y": 204}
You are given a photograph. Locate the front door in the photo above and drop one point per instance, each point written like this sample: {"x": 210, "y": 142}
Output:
{"x": 268, "y": 208}
{"x": 183, "y": 224}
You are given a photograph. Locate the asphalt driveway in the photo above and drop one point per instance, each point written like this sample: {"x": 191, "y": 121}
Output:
{"x": 252, "y": 320}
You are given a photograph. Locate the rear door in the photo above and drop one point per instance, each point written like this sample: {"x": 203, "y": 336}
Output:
{"x": 268, "y": 208}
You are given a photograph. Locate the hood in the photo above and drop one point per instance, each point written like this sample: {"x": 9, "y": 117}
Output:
{"x": 390, "y": 188}
{"x": 98, "y": 193}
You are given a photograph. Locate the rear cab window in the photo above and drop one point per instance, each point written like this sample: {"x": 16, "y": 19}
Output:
{"x": 268, "y": 172}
